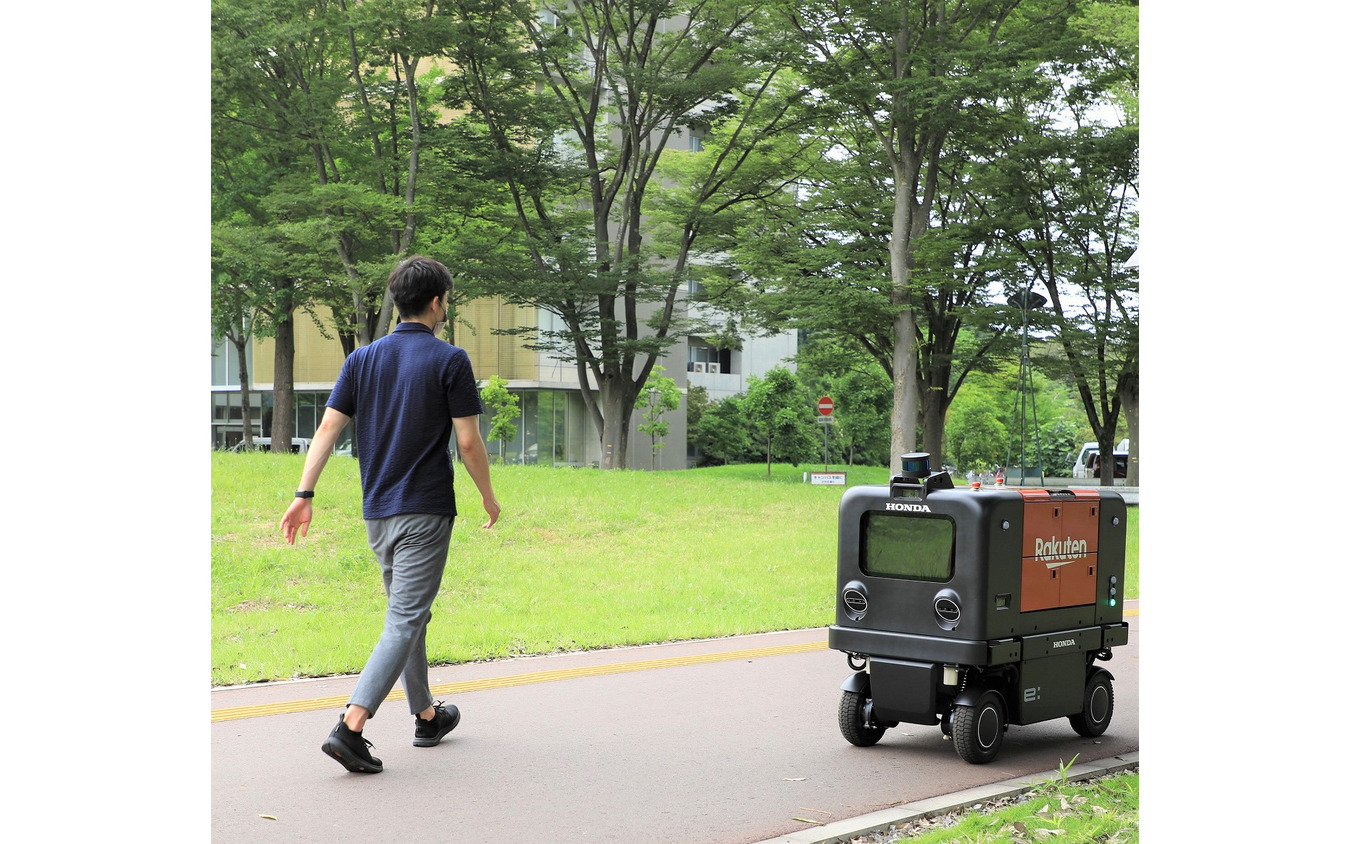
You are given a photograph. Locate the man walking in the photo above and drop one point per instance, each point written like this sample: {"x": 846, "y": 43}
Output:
{"x": 407, "y": 392}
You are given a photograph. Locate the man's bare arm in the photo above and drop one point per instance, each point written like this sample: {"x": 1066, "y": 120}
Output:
{"x": 473, "y": 452}
{"x": 301, "y": 511}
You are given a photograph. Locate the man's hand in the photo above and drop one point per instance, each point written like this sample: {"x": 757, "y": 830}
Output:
{"x": 493, "y": 511}
{"x": 297, "y": 517}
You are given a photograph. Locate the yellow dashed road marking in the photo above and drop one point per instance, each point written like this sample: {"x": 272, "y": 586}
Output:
{"x": 449, "y": 689}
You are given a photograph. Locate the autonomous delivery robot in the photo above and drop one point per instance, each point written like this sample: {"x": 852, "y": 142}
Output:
{"x": 977, "y": 608}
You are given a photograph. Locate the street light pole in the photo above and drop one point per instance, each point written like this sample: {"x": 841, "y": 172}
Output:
{"x": 1026, "y": 301}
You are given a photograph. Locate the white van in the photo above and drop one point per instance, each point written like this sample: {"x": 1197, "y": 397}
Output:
{"x": 1080, "y": 465}
{"x": 299, "y": 445}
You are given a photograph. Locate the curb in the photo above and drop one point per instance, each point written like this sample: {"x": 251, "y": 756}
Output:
{"x": 842, "y": 832}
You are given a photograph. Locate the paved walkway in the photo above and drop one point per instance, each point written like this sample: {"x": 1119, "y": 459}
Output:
{"x": 726, "y": 740}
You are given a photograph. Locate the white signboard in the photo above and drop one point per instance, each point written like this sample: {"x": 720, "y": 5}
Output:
{"x": 827, "y": 478}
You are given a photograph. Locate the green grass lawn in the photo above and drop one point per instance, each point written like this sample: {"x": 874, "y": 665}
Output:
{"x": 580, "y": 559}
{"x": 1100, "y": 809}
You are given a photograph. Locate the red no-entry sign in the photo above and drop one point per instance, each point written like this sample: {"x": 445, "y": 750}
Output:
{"x": 826, "y": 405}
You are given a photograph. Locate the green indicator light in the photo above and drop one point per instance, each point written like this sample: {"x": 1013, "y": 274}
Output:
{"x": 1112, "y": 602}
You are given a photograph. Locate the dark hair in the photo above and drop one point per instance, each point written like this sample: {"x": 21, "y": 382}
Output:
{"x": 417, "y": 281}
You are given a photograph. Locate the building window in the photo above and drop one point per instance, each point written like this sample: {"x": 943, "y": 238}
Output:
{"x": 309, "y": 408}
{"x": 225, "y": 363}
{"x": 550, "y": 431}
{"x": 227, "y": 417}
{"x": 706, "y": 359}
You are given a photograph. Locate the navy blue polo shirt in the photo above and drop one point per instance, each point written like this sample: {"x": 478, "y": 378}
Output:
{"x": 401, "y": 392}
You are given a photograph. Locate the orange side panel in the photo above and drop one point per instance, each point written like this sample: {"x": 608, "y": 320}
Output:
{"x": 1041, "y": 520}
{"x": 1040, "y": 586}
{"x": 1080, "y": 522}
{"x": 1078, "y": 582}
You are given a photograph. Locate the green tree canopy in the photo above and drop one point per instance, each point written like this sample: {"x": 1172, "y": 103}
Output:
{"x": 779, "y": 417}
{"x": 572, "y": 108}
{"x": 659, "y": 396}
{"x": 721, "y": 432}
{"x": 505, "y": 409}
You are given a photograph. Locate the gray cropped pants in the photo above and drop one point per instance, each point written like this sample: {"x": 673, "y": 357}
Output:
{"x": 412, "y": 550}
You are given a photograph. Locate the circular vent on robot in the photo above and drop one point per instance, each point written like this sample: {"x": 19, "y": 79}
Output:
{"x": 855, "y": 600}
{"x": 947, "y": 608}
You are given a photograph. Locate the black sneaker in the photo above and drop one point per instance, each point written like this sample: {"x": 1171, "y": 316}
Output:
{"x": 349, "y": 747}
{"x": 430, "y": 733}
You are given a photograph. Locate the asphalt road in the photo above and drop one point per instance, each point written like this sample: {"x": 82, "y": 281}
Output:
{"x": 728, "y": 741}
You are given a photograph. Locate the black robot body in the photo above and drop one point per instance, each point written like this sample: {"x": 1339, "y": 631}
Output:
{"x": 977, "y": 608}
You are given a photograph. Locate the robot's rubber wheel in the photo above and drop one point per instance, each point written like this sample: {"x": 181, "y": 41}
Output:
{"x": 1099, "y": 703}
{"x": 852, "y": 723}
{"x": 978, "y": 730}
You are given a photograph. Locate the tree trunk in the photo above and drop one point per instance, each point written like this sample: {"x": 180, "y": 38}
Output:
{"x": 1106, "y": 455}
{"x": 346, "y": 333}
{"x": 283, "y": 385}
{"x": 614, "y": 429}
{"x": 1129, "y": 406}
{"x": 768, "y": 455}
{"x": 610, "y": 405}
{"x": 241, "y": 347}
{"x": 934, "y": 427}
{"x": 904, "y": 362}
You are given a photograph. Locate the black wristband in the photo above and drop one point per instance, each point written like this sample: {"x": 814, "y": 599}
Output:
{"x": 304, "y": 493}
